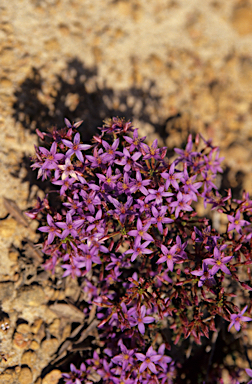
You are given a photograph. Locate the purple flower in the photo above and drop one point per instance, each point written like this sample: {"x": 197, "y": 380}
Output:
{"x": 68, "y": 170}
{"x": 208, "y": 180}
{"x": 180, "y": 248}
{"x": 65, "y": 184}
{"x": 171, "y": 177}
{"x": 122, "y": 209}
{"x": 238, "y": 318}
{"x": 125, "y": 358}
{"x": 74, "y": 206}
{"x": 187, "y": 154}
{"x": 205, "y": 276}
{"x": 169, "y": 375}
{"x": 206, "y": 238}
{"x": 51, "y": 157}
{"x": 96, "y": 159}
{"x": 129, "y": 161}
{"x": 116, "y": 125}
{"x": 249, "y": 372}
{"x": 219, "y": 262}
{"x": 140, "y": 184}
{"x": 76, "y": 147}
{"x": 157, "y": 195}
{"x": 108, "y": 179}
{"x": 45, "y": 173}
{"x": 164, "y": 359}
{"x": 113, "y": 276}
{"x": 70, "y": 226}
{"x": 90, "y": 199}
{"x": 159, "y": 217}
{"x": 136, "y": 142}
{"x": 124, "y": 318}
{"x": 51, "y": 229}
{"x": 91, "y": 292}
{"x": 105, "y": 371}
{"x": 75, "y": 125}
{"x": 169, "y": 256}
{"x": 214, "y": 163}
{"x": 76, "y": 375}
{"x": 116, "y": 262}
{"x": 236, "y": 223}
{"x": 111, "y": 151}
{"x": 246, "y": 202}
{"x": 141, "y": 231}
{"x": 71, "y": 269}
{"x": 95, "y": 220}
{"x": 189, "y": 186}
{"x": 141, "y": 319}
{"x": 89, "y": 256}
{"x": 181, "y": 204}
{"x": 148, "y": 360}
{"x": 143, "y": 207}
{"x": 139, "y": 249}
{"x": 218, "y": 200}
{"x": 125, "y": 185}
{"x": 152, "y": 152}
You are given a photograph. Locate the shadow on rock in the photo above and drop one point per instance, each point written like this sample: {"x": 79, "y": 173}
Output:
{"x": 78, "y": 95}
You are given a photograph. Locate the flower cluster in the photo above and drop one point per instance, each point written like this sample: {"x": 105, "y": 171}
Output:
{"x": 129, "y": 230}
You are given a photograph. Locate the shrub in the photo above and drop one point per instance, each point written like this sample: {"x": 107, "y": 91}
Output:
{"x": 162, "y": 278}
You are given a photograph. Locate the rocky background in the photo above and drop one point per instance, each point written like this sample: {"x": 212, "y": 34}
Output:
{"x": 172, "y": 66}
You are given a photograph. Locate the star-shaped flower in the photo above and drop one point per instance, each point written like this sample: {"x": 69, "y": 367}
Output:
{"x": 148, "y": 360}
{"x": 238, "y": 318}
{"x": 76, "y": 147}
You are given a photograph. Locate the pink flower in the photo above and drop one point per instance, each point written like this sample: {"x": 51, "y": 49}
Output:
{"x": 141, "y": 319}
{"x": 236, "y": 223}
{"x": 76, "y": 147}
{"x": 148, "y": 360}
{"x": 238, "y": 318}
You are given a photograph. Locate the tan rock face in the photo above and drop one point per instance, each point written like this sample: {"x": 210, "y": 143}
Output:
{"x": 25, "y": 376}
{"x": 52, "y": 377}
{"x": 242, "y": 20}
{"x": 31, "y": 295}
{"x": 182, "y": 66}
{"x": 29, "y": 358}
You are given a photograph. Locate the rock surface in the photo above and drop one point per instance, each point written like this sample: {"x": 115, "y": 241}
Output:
{"x": 172, "y": 66}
